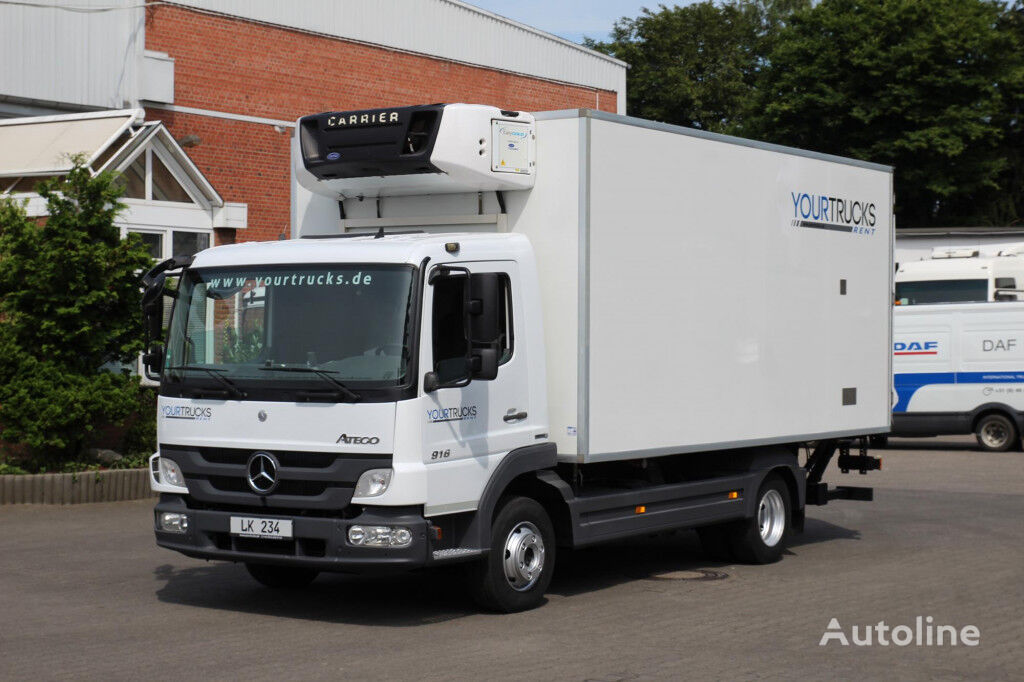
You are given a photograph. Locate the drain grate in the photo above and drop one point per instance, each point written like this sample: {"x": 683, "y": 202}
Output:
{"x": 698, "y": 574}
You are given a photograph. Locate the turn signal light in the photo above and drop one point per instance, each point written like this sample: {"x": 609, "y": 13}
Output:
{"x": 733, "y": 495}
{"x": 641, "y": 509}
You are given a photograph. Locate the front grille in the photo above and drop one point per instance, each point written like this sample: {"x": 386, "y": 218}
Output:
{"x": 305, "y": 480}
{"x": 310, "y": 547}
{"x": 305, "y": 460}
{"x": 239, "y": 485}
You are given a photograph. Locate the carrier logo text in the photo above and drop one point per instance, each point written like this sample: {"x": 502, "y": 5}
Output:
{"x": 370, "y": 118}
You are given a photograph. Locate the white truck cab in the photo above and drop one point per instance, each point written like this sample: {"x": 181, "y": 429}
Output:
{"x": 495, "y": 334}
{"x": 960, "y": 276}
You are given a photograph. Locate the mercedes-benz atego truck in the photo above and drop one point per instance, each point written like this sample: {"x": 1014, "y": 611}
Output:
{"x": 497, "y": 334}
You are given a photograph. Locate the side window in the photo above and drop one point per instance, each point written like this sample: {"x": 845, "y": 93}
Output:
{"x": 506, "y": 341}
{"x": 449, "y": 328}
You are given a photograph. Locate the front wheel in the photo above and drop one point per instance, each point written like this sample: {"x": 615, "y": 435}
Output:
{"x": 281, "y": 576}
{"x": 996, "y": 433}
{"x": 762, "y": 539}
{"x": 518, "y": 569}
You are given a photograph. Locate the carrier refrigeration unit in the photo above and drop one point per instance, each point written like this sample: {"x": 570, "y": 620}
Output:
{"x": 496, "y": 334}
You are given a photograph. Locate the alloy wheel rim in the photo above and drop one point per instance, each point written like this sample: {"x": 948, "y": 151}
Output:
{"x": 771, "y": 518}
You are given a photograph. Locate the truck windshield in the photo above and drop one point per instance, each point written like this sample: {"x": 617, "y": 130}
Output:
{"x": 942, "y": 291}
{"x": 342, "y": 331}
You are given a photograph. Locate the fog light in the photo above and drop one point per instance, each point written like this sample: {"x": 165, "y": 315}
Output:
{"x": 372, "y": 483}
{"x": 173, "y": 523}
{"x": 170, "y": 472}
{"x": 380, "y": 536}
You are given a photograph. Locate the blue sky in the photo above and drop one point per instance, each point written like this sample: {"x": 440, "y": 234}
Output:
{"x": 571, "y": 19}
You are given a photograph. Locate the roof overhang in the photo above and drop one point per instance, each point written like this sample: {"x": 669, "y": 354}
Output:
{"x": 46, "y": 145}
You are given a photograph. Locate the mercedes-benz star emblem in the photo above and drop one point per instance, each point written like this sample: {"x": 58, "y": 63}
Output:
{"x": 261, "y": 472}
{"x": 262, "y": 415}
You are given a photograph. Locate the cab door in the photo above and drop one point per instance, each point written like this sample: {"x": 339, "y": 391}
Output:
{"x": 471, "y": 421}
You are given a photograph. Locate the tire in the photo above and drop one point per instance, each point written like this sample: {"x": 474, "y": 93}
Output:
{"x": 996, "y": 433}
{"x": 518, "y": 569}
{"x": 715, "y": 542}
{"x": 763, "y": 538}
{"x": 282, "y": 576}
{"x": 878, "y": 441}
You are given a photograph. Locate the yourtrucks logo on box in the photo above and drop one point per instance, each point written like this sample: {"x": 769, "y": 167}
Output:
{"x": 840, "y": 214}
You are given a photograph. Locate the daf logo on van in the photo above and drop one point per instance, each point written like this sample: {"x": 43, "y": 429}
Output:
{"x": 357, "y": 440}
{"x": 915, "y": 348}
{"x": 261, "y": 472}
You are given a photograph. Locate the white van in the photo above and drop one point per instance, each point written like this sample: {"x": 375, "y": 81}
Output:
{"x": 960, "y": 369}
{"x": 960, "y": 276}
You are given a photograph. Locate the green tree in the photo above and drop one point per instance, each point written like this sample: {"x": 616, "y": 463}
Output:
{"x": 69, "y": 316}
{"x": 918, "y": 84}
{"x": 1008, "y": 199}
{"x": 698, "y": 65}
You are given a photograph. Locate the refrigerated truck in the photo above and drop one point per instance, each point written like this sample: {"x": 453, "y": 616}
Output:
{"x": 960, "y": 275}
{"x": 960, "y": 369}
{"x": 495, "y": 334}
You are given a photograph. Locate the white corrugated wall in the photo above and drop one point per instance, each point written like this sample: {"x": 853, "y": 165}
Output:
{"x": 93, "y": 59}
{"x": 85, "y": 59}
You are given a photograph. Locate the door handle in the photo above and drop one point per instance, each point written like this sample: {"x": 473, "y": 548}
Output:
{"x": 514, "y": 416}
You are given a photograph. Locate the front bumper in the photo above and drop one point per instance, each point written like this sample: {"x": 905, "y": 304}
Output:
{"x": 319, "y": 543}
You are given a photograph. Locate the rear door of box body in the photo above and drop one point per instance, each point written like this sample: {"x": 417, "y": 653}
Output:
{"x": 723, "y": 308}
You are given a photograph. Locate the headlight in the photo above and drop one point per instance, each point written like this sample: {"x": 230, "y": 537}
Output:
{"x": 372, "y": 483}
{"x": 380, "y": 536}
{"x": 170, "y": 473}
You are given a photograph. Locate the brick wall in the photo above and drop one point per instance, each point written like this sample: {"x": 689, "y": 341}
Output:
{"x": 235, "y": 66}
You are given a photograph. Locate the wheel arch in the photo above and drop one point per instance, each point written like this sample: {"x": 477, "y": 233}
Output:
{"x": 518, "y": 466}
{"x": 1003, "y": 409}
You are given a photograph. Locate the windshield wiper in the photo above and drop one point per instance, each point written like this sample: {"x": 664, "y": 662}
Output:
{"x": 322, "y": 373}
{"x": 232, "y": 389}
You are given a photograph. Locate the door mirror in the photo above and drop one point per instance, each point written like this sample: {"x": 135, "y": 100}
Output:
{"x": 153, "y": 361}
{"x": 153, "y": 308}
{"x": 485, "y": 363}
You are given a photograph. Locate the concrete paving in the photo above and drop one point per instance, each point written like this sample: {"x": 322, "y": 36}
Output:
{"x": 85, "y": 594}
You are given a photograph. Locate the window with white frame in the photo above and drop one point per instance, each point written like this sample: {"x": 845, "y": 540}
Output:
{"x": 149, "y": 178}
{"x": 166, "y": 242}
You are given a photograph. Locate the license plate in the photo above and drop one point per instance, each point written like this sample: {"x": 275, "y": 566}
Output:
{"x": 252, "y": 527}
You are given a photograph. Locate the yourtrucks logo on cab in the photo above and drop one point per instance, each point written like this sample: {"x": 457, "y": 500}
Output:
{"x": 915, "y": 348}
{"x": 188, "y": 412}
{"x": 833, "y": 213}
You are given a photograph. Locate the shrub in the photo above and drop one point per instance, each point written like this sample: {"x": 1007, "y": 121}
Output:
{"x": 69, "y": 317}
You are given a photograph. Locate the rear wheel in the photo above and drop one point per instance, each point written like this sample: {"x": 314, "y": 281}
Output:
{"x": 281, "y": 576}
{"x": 517, "y": 571}
{"x": 763, "y": 538}
{"x": 996, "y": 433}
